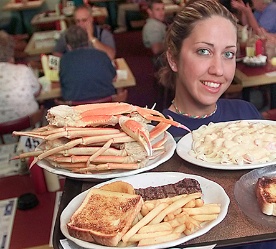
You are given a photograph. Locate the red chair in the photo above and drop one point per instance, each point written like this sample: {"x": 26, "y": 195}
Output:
{"x": 270, "y": 114}
{"x": 21, "y": 123}
{"x": 73, "y": 103}
{"x": 121, "y": 96}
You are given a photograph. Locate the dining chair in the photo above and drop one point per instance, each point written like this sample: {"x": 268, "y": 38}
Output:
{"x": 74, "y": 103}
{"x": 22, "y": 123}
{"x": 121, "y": 96}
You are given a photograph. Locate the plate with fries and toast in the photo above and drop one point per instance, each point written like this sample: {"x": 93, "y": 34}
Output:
{"x": 187, "y": 215}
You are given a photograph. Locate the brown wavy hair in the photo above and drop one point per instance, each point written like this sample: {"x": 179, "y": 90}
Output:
{"x": 182, "y": 27}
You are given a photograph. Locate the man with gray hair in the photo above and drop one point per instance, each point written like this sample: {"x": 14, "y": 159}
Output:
{"x": 85, "y": 73}
{"x": 98, "y": 37}
{"x": 262, "y": 19}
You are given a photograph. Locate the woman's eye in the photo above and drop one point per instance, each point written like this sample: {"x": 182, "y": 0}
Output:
{"x": 229, "y": 55}
{"x": 203, "y": 51}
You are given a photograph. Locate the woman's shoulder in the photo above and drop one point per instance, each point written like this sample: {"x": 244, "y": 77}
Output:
{"x": 234, "y": 103}
{"x": 238, "y": 109}
{"x": 17, "y": 67}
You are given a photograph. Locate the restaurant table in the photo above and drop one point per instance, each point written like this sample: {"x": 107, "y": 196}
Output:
{"x": 49, "y": 17}
{"x": 171, "y": 9}
{"x": 236, "y": 229}
{"x": 13, "y": 6}
{"x": 120, "y": 64}
{"x": 256, "y": 76}
{"x": 42, "y": 42}
{"x": 20, "y": 7}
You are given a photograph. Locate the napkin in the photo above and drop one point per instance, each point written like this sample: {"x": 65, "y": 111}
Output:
{"x": 271, "y": 74}
{"x": 121, "y": 74}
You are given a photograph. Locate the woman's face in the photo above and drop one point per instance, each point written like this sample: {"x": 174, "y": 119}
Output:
{"x": 206, "y": 64}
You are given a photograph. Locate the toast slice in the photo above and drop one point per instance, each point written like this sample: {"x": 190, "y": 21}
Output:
{"x": 266, "y": 195}
{"x": 104, "y": 216}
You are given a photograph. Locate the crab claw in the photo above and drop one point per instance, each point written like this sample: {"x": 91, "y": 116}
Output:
{"x": 137, "y": 131}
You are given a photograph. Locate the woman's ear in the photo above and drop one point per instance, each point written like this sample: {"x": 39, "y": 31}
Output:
{"x": 171, "y": 61}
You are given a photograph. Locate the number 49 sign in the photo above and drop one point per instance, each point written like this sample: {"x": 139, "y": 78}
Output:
{"x": 54, "y": 62}
{"x": 27, "y": 144}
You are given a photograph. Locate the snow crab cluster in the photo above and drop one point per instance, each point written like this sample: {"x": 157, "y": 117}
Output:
{"x": 96, "y": 137}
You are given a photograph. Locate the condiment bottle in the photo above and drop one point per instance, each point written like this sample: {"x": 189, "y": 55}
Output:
{"x": 259, "y": 47}
{"x": 250, "y": 47}
{"x": 52, "y": 181}
{"x": 37, "y": 177}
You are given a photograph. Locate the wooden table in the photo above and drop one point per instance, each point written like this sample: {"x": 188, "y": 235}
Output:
{"x": 49, "y": 17}
{"x": 42, "y": 42}
{"x": 13, "y": 6}
{"x": 171, "y": 9}
{"x": 256, "y": 76}
{"x": 121, "y": 64}
{"x": 235, "y": 229}
{"x": 20, "y": 7}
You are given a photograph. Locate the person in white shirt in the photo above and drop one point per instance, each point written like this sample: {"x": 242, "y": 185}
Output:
{"x": 18, "y": 84}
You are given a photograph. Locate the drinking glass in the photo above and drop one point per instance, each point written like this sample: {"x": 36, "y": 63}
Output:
{"x": 270, "y": 48}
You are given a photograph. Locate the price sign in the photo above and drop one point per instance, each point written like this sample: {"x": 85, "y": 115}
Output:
{"x": 27, "y": 144}
{"x": 53, "y": 62}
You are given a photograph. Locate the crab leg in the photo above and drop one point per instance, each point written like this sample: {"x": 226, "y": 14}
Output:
{"x": 40, "y": 132}
{"x": 137, "y": 131}
{"x": 158, "y": 129}
{"x": 85, "y": 159}
{"x": 27, "y": 154}
{"x": 68, "y": 132}
{"x": 73, "y": 143}
{"x": 160, "y": 143}
{"x": 100, "y": 151}
{"x": 92, "y": 150}
{"x": 107, "y": 166}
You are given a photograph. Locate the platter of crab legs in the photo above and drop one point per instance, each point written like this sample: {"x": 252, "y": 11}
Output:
{"x": 102, "y": 141}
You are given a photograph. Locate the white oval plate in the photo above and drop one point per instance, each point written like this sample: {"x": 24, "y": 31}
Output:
{"x": 185, "y": 145}
{"x": 170, "y": 146}
{"x": 212, "y": 193}
{"x": 245, "y": 195}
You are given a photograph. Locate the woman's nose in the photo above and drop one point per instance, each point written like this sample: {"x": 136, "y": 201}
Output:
{"x": 216, "y": 66}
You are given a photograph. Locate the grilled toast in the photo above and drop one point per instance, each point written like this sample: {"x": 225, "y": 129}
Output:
{"x": 266, "y": 195}
{"x": 104, "y": 216}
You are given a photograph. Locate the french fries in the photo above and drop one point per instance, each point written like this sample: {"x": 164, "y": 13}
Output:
{"x": 168, "y": 219}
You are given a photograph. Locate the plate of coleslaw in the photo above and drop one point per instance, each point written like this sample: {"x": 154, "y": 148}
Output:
{"x": 186, "y": 144}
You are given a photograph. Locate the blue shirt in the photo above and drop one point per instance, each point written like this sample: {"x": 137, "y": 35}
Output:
{"x": 227, "y": 110}
{"x": 267, "y": 18}
{"x": 86, "y": 74}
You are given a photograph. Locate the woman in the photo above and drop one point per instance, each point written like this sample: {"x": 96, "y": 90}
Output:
{"x": 201, "y": 46}
{"x": 18, "y": 84}
{"x": 200, "y": 66}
